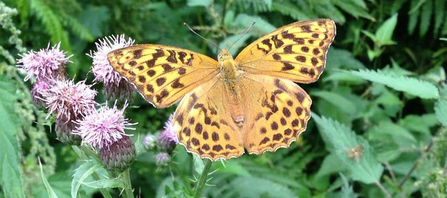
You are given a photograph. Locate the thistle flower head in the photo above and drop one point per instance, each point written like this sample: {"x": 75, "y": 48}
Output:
{"x": 102, "y": 69}
{"x": 149, "y": 142}
{"x": 119, "y": 155}
{"x": 39, "y": 88}
{"x": 162, "y": 159}
{"x": 46, "y": 63}
{"x": 168, "y": 137}
{"x": 104, "y": 127}
{"x": 69, "y": 101}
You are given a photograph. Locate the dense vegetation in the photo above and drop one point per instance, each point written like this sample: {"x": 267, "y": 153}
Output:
{"x": 378, "y": 126}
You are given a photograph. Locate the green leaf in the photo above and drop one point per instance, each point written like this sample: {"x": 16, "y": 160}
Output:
{"x": 346, "y": 189}
{"x": 78, "y": 28}
{"x": 232, "y": 167}
{"x": 290, "y": 9}
{"x": 50, "y": 191}
{"x": 95, "y": 19}
{"x": 441, "y": 111}
{"x": 204, "y": 3}
{"x": 413, "y": 18}
{"x": 81, "y": 174}
{"x": 342, "y": 59}
{"x": 385, "y": 31}
{"x": 106, "y": 183}
{"x": 262, "y": 27}
{"x": 198, "y": 164}
{"x": 255, "y": 187}
{"x": 10, "y": 173}
{"x": 409, "y": 85}
{"x": 439, "y": 16}
{"x": 426, "y": 13}
{"x": 225, "y": 44}
{"x": 337, "y": 100}
{"x": 366, "y": 169}
{"x": 52, "y": 23}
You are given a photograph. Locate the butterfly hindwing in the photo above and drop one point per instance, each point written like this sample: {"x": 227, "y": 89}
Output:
{"x": 277, "y": 112}
{"x": 296, "y": 51}
{"x": 163, "y": 74}
{"x": 204, "y": 126}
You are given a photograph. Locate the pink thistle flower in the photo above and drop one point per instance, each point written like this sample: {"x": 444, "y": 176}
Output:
{"x": 104, "y": 127}
{"x": 70, "y": 101}
{"x": 46, "y": 63}
{"x": 39, "y": 88}
{"x": 167, "y": 139}
{"x": 114, "y": 84}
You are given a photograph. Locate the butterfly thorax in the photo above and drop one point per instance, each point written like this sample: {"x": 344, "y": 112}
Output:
{"x": 229, "y": 74}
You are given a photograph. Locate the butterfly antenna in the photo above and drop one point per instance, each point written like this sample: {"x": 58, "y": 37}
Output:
{"x": 248, "y": 29}
{"x": 190, "y": 29}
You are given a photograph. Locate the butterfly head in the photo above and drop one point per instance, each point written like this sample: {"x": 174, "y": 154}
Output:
{"x": 224, "y": 55}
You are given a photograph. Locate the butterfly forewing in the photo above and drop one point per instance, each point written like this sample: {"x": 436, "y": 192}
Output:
{"x": 163, "y": 74}
{"x": 296, "y": 51}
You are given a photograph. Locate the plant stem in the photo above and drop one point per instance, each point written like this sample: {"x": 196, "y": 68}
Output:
{"x": 80, "y": 151}
{"x": 128, "y": 189}
{"x": 383, "y": 189}
{"x": 182, "y": 177}
{"x": 202, "y": 179}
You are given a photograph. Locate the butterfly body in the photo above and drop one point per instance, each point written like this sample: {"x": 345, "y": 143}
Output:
{"x": 231, "y": 106}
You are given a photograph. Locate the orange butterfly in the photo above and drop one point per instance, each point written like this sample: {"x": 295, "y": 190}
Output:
{"x": 231, "y": 105}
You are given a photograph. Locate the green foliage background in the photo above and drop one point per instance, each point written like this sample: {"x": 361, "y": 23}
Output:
{"x": 383, "y": 90}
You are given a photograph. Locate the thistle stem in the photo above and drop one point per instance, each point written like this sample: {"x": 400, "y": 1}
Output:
{"x": 128, "y": 189}
{"x": 202, "y": 179}
{"x": 182, "y": 177}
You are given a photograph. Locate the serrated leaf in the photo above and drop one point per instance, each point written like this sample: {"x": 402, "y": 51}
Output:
{"x": 409, "y": 85}
{"x": 386, "y": 30}
{"x": 290, "y": 9}
{"x": 346, "y": 190}
{"x": 50, "y": 191}
{"x": 441, "y": 111}
{"x": 366, "y": 169}
{"x": 10, "y": 174}
{"x": 81, "y": 174}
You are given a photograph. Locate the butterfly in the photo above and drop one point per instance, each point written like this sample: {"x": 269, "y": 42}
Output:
{"x": 232, "y": 106}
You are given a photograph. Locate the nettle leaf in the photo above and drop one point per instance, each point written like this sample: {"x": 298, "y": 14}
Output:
{"x": 364, "y": 168}
{"x": 346, "y": 190}
{"x": 204, "y": 3}
{"x": 441, "y": 111}
{"x": 10, "y": 174}
{"x": 413, "y": 86}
